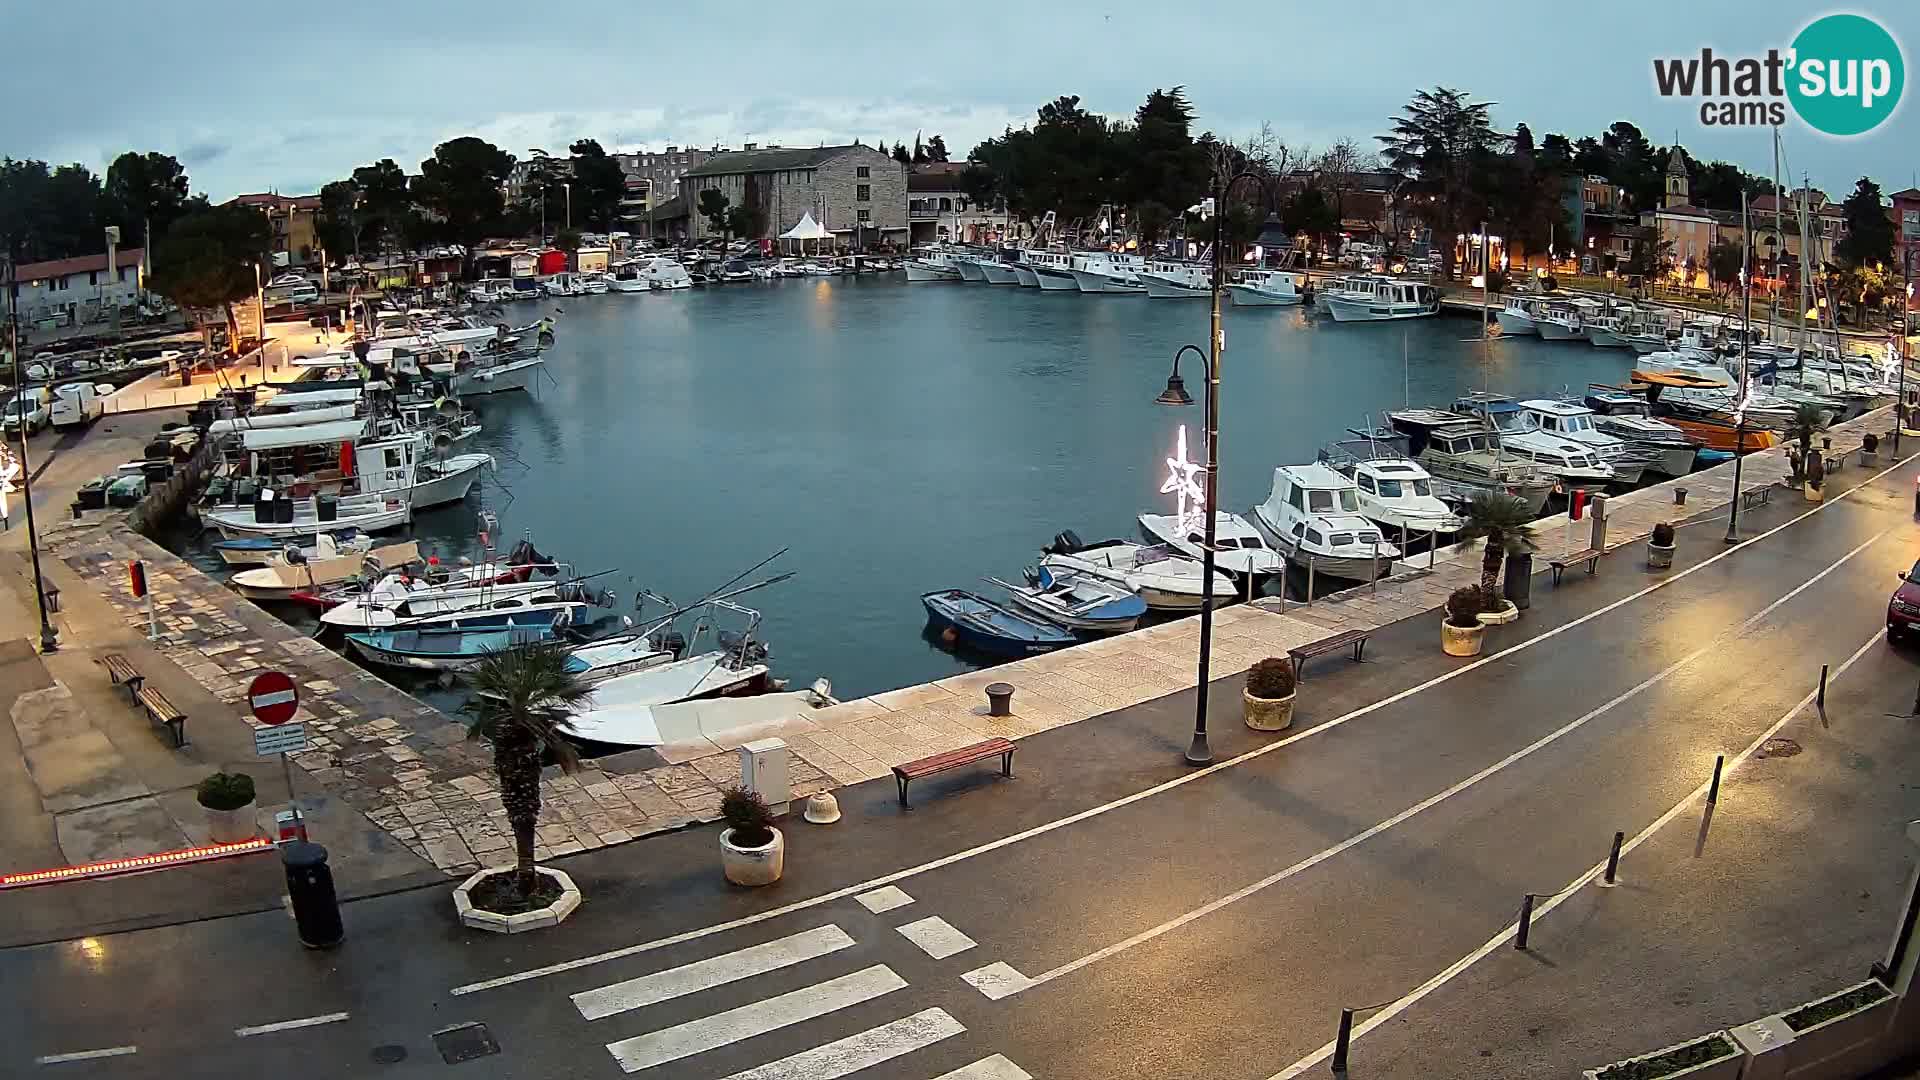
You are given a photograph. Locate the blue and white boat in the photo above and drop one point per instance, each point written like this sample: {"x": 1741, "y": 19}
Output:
{"x": 980, "y": 624}
{"x": 451, "y": 647}
{"x": 1079, "y": 601}
{"x": 269, "y": 550}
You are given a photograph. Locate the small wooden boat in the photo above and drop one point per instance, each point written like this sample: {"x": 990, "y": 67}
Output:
{"x": 1076, "y": 600}
{"x": 284, "y": 581}
{"x": 966, "y": 619}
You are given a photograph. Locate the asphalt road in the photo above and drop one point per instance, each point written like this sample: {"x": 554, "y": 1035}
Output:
{"x": 1107, "y": 913}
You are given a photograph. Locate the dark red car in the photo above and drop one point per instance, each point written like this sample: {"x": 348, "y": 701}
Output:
{"x": 1903, "y": 608}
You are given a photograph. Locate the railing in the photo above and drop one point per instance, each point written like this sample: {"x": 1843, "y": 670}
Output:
{"x": 926, "y": 215}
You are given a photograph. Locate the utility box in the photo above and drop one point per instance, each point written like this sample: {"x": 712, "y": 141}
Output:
{"x": 763, "y": 771}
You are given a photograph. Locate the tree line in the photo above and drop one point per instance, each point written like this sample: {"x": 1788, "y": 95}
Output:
{"x": 59, "y": 212}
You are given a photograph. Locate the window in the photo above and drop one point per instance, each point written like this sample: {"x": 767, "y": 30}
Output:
{"x": 1296, "y": 500}
{"x": 863, "y": 193}
{"x": 946, "y": 204}
{"x": 393, "y": 459}
{"x": 1366, "y": 483}
{"x": 1421, "y": 487}
{"x": 1314, "y": 538}
{"x": 1389, "y": 489}
{"x": 1349, "y": 500}
{"x": 862, "y": 171}
{"x": 864, "y": 215}
{"x": 1320, "y": 501}
{"x": 123, "y": 275}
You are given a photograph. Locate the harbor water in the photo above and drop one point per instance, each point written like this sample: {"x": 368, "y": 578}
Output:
{"x": 899, "y": 438}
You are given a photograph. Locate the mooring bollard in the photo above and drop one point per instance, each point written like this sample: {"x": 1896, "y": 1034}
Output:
{"x": 1706, "y": 813}
{"x": 1526, "y": 920}
{"x": 1820, "y": 698}
{"x": 1374, "y": 581}
{"x": 1613, "y": 859}
{"x": 1341, "y": 1041}
{"x": 1679, "y": 496}
{"x": 999, "y": 699}
{"x": 1713, "y": 789}
{"x": 1309, "y": 580}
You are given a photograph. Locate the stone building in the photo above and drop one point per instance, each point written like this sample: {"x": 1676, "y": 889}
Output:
{"x": 858, "y": 193}
{"x": 662, "y": 171}
{"x": 939, "y": 209}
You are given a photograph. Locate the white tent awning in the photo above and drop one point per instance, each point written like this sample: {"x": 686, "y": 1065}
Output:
{"x": 807, "y": 229}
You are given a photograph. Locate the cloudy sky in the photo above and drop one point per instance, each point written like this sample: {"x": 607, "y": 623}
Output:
{"x": 255, "y": 96}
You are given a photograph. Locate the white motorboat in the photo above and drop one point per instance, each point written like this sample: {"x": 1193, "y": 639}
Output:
{"x": 1519, "y": 316}
{"x": 934, "y": 264}
{"x": 490, "y": 374}
{"x": 440, "y": 481}
{"x": 622, "y": 654}
{"x": 281, "y": 580}
{"x": 1052, "y": 269}
{"x": 1238, "y": 546}
{"x": 1077, "y": 600}
{"x": 271, "y": 551}
{"x": 1312, "y": 515}
{"x": 1566, "y": 320}
{"x": 1395, "y": 492}
{"x": 1177, "y": 279}
{"x": 1628, "y": 416}
{"x": 1165, "y": 580}
{"x": 1264, "y": 288}
{"x": 1328, "y": 288}
{"x": 1464, "y": 456}
{"x": 628, "y": 279}
{"x": 1573, "y": 422}
{"x": 593, "y": 284}
{"x": 366, "y": 513}
{"x": 1572, "y": 463}
{"x": 1390, "y": 300}
{"x": 702, "y": 723}
{"x": 1105, "y": 272}
{"x": 664, "y": 275}
{"x": 399, "y": 599}
{"x": 1611, "y": 331}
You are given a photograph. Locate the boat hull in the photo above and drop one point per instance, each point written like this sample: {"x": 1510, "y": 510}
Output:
{"x": 515, "y": 376}
{"x": 1161, "y": 288}
{"x": 238, "y": 521}
{"x": 1026, "y": 277}
{"x": 1513, "y": 324}
{"x": 1344, "y": 310}
{"x": 1553, "y": 331}
{"x": 999, "y": 273}
{"x": 971, "y": 271}
{"x": 1249, "y": 296}
{"x": 1605, "y": 339}
{"x": 1052, "y": 280}
{"x": 1089, "y": 281}
{"x": 452, "y": 487}
{"x": 927, "y": 272}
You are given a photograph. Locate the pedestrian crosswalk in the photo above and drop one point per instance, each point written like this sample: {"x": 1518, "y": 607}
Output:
{"x": 782, "y": 962}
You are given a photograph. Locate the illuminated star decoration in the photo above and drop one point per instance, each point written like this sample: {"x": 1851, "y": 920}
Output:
{"x": 1180, "y": 473}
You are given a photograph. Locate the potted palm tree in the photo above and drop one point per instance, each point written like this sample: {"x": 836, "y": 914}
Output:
{"x": 1461, "y": 632}
{"x": 1660, "y": 547}
{"x": 752, "y": 851}
{"x": 1816, "y": 478}
{"x": 522, "y": 701}
{"x": 1808, "y": 420}
{"x": 228, "y": 801}
{"x": 1507, "y": 524}
{"x": 1268, "y": 697}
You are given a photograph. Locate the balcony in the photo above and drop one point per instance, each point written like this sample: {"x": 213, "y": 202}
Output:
{"x": 925, "y": 215}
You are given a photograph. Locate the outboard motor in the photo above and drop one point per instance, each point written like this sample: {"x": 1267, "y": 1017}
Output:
{"x": 672, "y": 643}
{"x": 1065, "y": 542}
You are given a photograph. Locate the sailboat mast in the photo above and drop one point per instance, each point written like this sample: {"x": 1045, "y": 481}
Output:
{"x": 1779, "y": 238}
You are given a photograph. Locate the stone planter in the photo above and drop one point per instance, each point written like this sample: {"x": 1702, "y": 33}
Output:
{"x": 753, "y": 865}
{"x": 1267, "y": 714}
{"x": 538, "y": 919}
{"x": 1869, "y": 457}
{"x": 1659, "y": 556}
{"x": 1845, "y": 1044}
{"x": 1461, "y": 640}
{"x": 232, "y": 826}
{"x": 1812, "y": 493}
{"x": 1508, "y": 613}
{"x": 1724, "y": 1066}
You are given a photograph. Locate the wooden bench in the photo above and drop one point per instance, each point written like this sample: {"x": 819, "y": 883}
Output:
{"x": 1756, "y": 496}
{"x": 953, "y": 759}
{"x": 163, "y": 713}
{"x": 1836, "y": 462}
{"x": 1586, "y": 555}
{"x": 1357, "y": 639}
{"x": 121, "y": 671}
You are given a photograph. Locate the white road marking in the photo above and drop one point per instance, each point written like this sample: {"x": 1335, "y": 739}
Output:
{"x": 86, "y": 1055}
{"x": 996, "y": 1067}
{"x": 856, "y": 1052}
{"x": 1540, "y": 910}
{"x": 997, "y": 980}
{"x": 1158, "y": 789}
{"x": 714, "y": 971}
{"x": 758, "y": 1018}
{"x": 289, "y": 1025}
{"x": 1432, "y": 801}
{"x": 936, "y": 937}
{"x": 884, "y": 899}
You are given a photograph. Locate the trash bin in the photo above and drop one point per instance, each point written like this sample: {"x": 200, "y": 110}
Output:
{"x": 283, "y": 511}
{"x": 263, "y": 508}
{"x": 316, "y": 910}
{"x": 326, "y": 507}
{"x": 1518, "y": 586}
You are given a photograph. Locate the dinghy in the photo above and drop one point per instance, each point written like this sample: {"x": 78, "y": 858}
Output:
{"x": 963, "y": 618}
{"x": 1076, "y": 600}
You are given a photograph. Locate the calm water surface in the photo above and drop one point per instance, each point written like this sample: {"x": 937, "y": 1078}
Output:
{"x": 903, "y": 438}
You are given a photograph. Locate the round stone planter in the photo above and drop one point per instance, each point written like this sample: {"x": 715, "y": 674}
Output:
{"x": 1868, "y": 457}
{"x": 1267, "y": 714}
{"x": 1812, "y": 493}
{"x": 1507, "y": 613}
{"x": 753, "y": 865}
{"x": 1461, "y": 640}
{"x": 538, "y": 919}
{"x": 1659, "y": 557}
{"x": 232, "y": 826}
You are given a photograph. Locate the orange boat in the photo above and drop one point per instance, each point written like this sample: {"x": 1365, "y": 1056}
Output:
{"x": 1714, "y": 428}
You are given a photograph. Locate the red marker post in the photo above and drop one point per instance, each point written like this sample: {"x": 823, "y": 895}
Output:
{"x": 274, "y": 700}
{"x": 1576, "y": 507}
{"x": 137, "y": 579}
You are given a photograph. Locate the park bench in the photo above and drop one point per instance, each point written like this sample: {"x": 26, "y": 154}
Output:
{"x": 953, "y": 759}
{"x": 1356, "y": 639}
{"x": 1756, "y": 496}
{"x": 1559, "y": 565}
{"x": 158, "y": 708}
{"x": 121, "y": 671}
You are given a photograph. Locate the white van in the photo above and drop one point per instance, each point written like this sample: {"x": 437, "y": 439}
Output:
{"x": 78, "y": 404}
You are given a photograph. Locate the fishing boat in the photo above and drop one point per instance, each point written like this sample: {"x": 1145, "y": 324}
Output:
{"x": 1052, "y": 269}
{"x": 1164, "y": 579}
{"x": 1566, "y": 320}
{"x": 1707, "y": 415}
{"x": 453, "y": 646}
{"x": 1464, "y": 457}
{"x": 969, "y": 620}
{"x": 1518, "y": 316}
{"x": 1395, "y": 492}
{"x": 968, "y": 264}
{"x": 998, "y": 272}
{"x": 1168, "y": 279}
{"x": 621, "y": 654}
{"x": 265, "y": 550}
{"x": 1312, "y": 515}
{"x": 402, "y": 599}
{"x": 1238, "y": 546}
{"x": 283, "y": 580}
{"x": 496, "y": 372}
{"x": 1390, "y": 300}
{"x": 1077, "y": 600}
{"x": 1105, "y": 272}
{"x": 1611, "y": 331}
{"x": 1264, "y": 288}
{"x": 933, "y": 264}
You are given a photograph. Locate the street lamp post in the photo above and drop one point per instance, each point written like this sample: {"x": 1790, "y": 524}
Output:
{"x": 569, "y": 186}
{"x": 49, "y": 641}
{"x": 1740, "y": 407}
{"x": 1198, "y": 752}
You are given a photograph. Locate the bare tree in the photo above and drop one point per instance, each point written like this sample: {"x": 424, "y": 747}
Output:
{"x": 1338, "y": 169}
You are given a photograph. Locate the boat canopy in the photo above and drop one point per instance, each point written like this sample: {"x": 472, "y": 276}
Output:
{"x": 305, "y": 435}
{"x": 294, "y": 399}
{"x": 304, "y": 419}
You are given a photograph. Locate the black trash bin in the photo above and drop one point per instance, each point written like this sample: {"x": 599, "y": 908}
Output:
{"x": 316, "y": 910}
{"x": 283, "y": 511}
{"x": 326, "y": 507}
{"x": 1518, "y": 587}
{"x": 263, "y": 508}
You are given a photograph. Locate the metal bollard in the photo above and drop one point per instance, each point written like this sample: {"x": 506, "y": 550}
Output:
{"x": 1526, "y": 921}
{"x": 1613, "y": 859}
{"x": 316, "y": 910}
{"x": 999, "y": 699}
{"x": 1309, "y": 580}
{"x": 1342, "y": 1041}
{"x": 1820, "y": 698}
{"x": 1374, "y": 581}
{"x": 1713, "y": 790}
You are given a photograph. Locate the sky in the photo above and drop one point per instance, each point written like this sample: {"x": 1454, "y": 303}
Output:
{"x": 255, "y": 97}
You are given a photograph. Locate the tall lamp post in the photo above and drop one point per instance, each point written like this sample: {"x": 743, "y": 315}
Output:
{"x": 49, "y": 641}
{"x": 1198, "y": 753}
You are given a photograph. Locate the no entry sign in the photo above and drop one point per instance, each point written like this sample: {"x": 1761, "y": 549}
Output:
{"x": 273, "y": 697}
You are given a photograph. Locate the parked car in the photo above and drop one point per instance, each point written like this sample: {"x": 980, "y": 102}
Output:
{"x": 1903, "y": 607}
{"x": 30, "y": 408}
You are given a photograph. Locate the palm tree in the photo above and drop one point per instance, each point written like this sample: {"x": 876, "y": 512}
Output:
{"x": 522, "y": 701}
{"x": 1506, "y": 521}
{"x": 1808, "y": 419}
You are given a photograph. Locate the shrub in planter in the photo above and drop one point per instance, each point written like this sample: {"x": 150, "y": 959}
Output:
{"x": 752, "y": 851}
{"x": 1660, "y": 547}
{"x": 1672, "y": 1061}
{"x": 1267, "y": 702}
{"x": 228, "y": 800}
{"x": 1869, "y": 448}
{"x": 1461, "y": 632}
